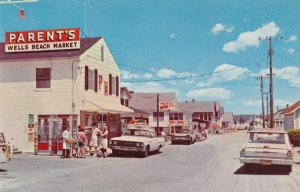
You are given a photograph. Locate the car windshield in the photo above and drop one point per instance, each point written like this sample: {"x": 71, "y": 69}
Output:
{"x": 136, "y": 132}
{"x": 272, "y": 138}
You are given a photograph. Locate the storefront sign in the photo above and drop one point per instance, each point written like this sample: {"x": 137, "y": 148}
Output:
{"x": 167, "y": 105}
{"x": 42, "y": 40}
{"x": 176, "y": 122}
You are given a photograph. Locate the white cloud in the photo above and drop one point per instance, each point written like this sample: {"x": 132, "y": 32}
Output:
{"x": 166, "y": 73}
{"x": 128, "y": 75}
{"x": 210, "y": 93}
{"x": 172, "y": 35}
{"x": 292, "y": 38}
{"x": 290, "y": 50}
{"x": 251, "y": 38}
{"x": 148, "y": 76}
{"x": 149, "y": 87}
{"x": 218, "y": 28}
{"x": 229, "y": 29}
{"x": 225, "y": 72}
{"x": 169, "y": 73}
{"x": 252, "y": 103}
{"x": 289, "y": 73}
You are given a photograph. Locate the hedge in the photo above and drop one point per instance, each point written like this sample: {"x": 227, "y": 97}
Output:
{"x": 294, "y": 135}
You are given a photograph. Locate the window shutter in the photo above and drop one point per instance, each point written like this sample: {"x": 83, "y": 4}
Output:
{"x": 86, "y": 77}
{"x": 110, "y": 84}
{"x": 117, "y": 85}
{"x": 96, "y": 80}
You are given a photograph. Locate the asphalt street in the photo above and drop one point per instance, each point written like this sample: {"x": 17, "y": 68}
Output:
{"x": 211, "y": 165}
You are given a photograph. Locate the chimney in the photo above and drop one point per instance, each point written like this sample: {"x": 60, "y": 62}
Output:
{"x": 287, "y": 106}
{"x": 193, "y": 100}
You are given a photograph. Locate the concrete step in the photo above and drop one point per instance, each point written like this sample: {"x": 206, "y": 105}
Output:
{"x": 16, "y": 151}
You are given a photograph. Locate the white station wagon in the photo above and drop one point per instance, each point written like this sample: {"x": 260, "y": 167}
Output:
{"x": 267, "y": 147}
{"x": 140, "y": 140}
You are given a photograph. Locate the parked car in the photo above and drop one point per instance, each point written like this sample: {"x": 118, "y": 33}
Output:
{"x": 199, "y": 135}
{"x": 141, "y": 140}
{"x": 267, "y": 147}
{"x": 4, "y": 149}
{"x": 185, "y": 136}
{"x": 240, "y": 127}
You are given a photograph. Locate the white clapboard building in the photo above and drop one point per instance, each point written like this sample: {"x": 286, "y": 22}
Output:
{"x": 42, "y": 91}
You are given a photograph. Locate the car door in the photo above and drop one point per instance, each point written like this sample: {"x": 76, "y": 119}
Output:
{"x": 153, "y": 141}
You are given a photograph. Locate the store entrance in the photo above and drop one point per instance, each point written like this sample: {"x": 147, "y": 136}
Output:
{"x": 50, "y": 128}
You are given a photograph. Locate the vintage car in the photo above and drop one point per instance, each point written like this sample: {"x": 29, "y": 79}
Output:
{"x": 4, "y": 149}
{"x": 185, "y": 136}
{"x": 267, "y": 147}
{"x": 137, "y": 139}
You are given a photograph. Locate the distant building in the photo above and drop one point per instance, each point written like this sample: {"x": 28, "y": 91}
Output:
{"x": 292, "y": 116}
{"x": 147, "y": 102}
{"x": 279, "y": 119}
{"x": 244, "y": 120}
{"x": 228, "y": 122}
{"x": 207, "y": 113}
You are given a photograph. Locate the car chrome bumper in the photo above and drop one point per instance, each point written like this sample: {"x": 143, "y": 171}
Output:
{"x": 124, "y": 148}
{"x": 263, "y": 160}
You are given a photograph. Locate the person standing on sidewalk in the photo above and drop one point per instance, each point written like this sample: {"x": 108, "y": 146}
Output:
{"x": 81, "y": 137}
{"x": 94, "y": 139}
{"x": 66, "y": 145}
{"x": 103, "y": 140}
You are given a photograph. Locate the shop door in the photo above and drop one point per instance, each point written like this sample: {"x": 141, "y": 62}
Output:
{"x": 114, "y": 125}
{"x": 50, "y": 131}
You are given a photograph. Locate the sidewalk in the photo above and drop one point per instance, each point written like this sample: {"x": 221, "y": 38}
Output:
{"x": 297, "y": 155}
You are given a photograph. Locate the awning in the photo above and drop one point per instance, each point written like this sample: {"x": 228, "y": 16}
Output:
{"x": 106, "y": 107}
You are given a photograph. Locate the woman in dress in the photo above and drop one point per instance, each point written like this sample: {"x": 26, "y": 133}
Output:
{"x": 94, "y": 139}
{"x": 103, "y": 140}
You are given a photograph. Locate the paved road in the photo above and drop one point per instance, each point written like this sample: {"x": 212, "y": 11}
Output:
{"x": 210, "y": 165}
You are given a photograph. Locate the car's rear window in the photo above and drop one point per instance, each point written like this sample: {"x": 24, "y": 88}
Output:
{"x": 272, "y": 138}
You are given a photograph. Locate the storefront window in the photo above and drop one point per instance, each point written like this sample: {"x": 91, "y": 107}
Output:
{"x": 176, "y": 116}
{"x": 160, "y": 116}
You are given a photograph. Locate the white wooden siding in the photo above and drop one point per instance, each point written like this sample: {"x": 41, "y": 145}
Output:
{"x": 19, "y": 96}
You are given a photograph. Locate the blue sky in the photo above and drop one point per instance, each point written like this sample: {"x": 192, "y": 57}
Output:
{"x": 202, "y": 50}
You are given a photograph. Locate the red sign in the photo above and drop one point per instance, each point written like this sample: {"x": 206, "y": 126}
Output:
{"x": 166, "y": 105}
{"x": 176, "y": 121}
{"x": 42, "y": 40}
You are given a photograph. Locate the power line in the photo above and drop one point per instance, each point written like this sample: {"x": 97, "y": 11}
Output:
{"x": 194, "y": 76}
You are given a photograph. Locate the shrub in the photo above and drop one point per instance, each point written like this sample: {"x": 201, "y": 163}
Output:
{"x": 294, "y": 135}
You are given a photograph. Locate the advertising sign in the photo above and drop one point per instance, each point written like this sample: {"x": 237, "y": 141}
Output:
{"x": 167, "y": 105}
{"x": 42, "y": 40}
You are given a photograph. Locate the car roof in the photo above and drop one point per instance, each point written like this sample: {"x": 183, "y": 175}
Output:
{"x": 267, "y": 130}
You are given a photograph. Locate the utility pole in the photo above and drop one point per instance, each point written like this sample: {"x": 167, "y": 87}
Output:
{"x": 157, "y": 111}
{"x": 271, "y": 85}
{"x": 262, "y": 98}
{"x": 267, "y": 98}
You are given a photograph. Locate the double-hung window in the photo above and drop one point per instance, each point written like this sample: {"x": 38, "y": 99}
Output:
{"x": 43, "y": 77}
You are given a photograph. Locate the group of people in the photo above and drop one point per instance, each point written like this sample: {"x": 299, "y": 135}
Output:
{"x": 99, "y": 139}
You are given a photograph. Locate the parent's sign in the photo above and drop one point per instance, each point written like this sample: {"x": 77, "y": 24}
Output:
{"x": 42, "y": 40}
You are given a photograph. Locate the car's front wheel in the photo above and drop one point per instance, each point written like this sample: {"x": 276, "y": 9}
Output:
{"x": 146, "y": 152}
